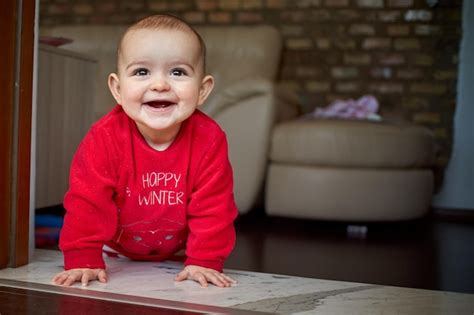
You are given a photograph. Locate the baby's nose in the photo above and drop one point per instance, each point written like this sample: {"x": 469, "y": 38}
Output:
{"x": 160, "y": 84}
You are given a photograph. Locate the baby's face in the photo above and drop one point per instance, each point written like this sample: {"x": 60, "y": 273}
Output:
{"x": 160, "y": 79}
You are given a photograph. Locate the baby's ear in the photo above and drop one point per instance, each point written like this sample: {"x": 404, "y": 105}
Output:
{"x": 114, "y": 87}
{"x": 207, "y": 85}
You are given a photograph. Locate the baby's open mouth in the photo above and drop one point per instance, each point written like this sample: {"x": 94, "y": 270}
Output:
{"x": 159, "y": 104}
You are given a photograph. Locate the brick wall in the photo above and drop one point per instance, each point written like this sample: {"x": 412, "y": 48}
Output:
{"x": 402, "y": 51}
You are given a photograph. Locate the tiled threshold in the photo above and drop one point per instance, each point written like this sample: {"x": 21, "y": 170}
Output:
{"x": 151, "y": 284}
{"x": 192, "y": 308}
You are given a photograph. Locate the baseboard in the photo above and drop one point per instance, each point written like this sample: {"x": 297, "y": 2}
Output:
{"x": 453, "y": 215}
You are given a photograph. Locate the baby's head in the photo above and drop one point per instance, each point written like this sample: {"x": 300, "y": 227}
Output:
{"x": 160, "y": 78}
{"x": 163, "y": 22}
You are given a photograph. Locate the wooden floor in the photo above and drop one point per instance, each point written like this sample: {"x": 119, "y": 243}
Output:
{"x": 435, "y": 252}
{"x": 431, "y": 253}
{"x": 15, "y": 301}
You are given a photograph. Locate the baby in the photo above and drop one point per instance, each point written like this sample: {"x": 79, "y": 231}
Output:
{"x": 153, "y": 176}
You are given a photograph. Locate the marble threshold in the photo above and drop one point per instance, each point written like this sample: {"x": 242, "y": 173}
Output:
{"x": 151, "y": 283}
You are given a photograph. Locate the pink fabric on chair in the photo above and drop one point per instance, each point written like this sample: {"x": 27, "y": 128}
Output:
{"x": 365, "y": 107}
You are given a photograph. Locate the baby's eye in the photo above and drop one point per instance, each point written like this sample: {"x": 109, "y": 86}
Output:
{"x": 141, "y": 72}
{"x": 178, "y": 72}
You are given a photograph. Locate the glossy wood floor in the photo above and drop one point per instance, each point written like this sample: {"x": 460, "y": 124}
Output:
{"x": 435, "y": 252}
{"x": 14, "y": 301}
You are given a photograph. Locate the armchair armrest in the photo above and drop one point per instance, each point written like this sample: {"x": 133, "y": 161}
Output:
{"x": 236, "y": 93}
{"x": 246, "y": 111}
{"x": 287, "y": 104}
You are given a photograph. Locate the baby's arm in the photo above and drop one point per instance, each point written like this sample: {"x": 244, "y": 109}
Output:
{"x": 91, "y": 215}
{"x": 205, "y": 276}
{"x": 211, "y": 213}
{"x": 83, "y": 275}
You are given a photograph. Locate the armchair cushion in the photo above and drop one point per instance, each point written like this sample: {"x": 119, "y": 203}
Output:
{"x": 350, "y": 143}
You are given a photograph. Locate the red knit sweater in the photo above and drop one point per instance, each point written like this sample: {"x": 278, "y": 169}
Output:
{"x": 148, "y": 204}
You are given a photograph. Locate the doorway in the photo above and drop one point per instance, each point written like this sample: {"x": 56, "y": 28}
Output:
{"x": 17, "y": 22}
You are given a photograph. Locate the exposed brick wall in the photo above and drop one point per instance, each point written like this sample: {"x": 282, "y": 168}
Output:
{"x": 402, "y": 51}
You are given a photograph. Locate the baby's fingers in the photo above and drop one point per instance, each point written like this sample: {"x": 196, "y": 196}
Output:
{"x": 90, "y": 275}
{"x": 223, "y": 279}
{"x": 228, "y": 279}
{"x": 199, "y": 277}
{"x": 218, "y": 280}
{"x": 59, "y": 278}
{"x": 102, "y": 276}
{"x": 183, "y": 275}
{"x": 71, "y": 278}
{"x": 86, "y": 276}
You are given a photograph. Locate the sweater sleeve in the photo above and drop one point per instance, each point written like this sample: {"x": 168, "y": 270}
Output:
{"x": 91, "y": 214}
{"x": 212, "y": 210}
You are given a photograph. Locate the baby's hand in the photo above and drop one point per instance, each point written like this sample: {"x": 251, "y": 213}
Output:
{"x": 83, "y": 275}
{"x": 204, "y": 275}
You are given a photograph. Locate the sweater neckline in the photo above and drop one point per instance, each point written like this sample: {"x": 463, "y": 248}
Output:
{"x": 137, "y": 134}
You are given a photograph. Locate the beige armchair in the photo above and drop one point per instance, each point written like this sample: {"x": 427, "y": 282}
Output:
{"x": 244, "y": 62}
{"x": 349, "y": 170}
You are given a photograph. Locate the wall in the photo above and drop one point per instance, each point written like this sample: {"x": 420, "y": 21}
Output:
{"x": 402, "y": 51}
{"x": 457, "y": 190}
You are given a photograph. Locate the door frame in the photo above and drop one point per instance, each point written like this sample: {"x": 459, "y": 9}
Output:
{"x": 17, "y": 22}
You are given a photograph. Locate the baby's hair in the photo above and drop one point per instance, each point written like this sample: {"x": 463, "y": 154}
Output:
{"x": 165, "y": 21}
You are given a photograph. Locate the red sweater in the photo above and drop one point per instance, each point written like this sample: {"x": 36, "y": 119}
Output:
{"x": 148, "y": 204}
